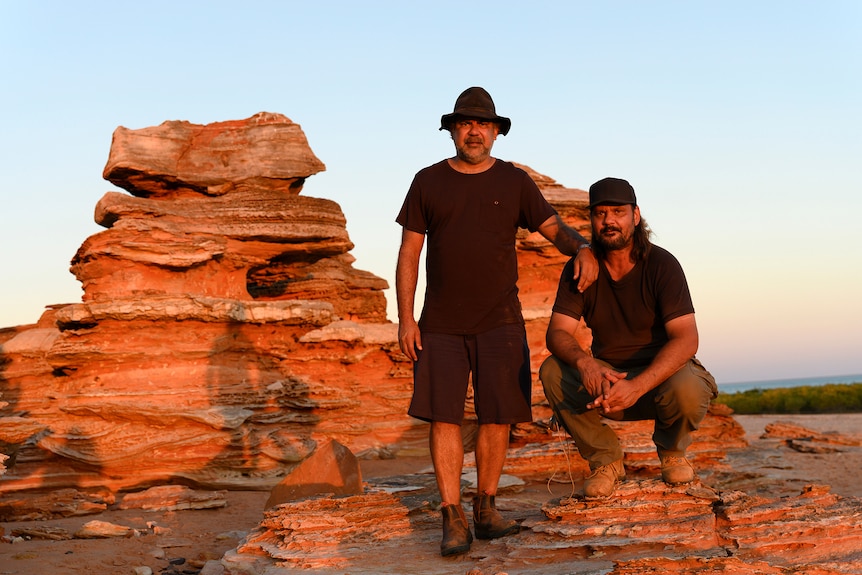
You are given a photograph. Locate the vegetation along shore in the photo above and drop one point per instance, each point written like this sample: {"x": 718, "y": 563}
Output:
{"x": 829, "y": 398}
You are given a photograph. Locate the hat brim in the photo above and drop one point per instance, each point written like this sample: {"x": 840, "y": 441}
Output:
{"x": 612, "y": 203}
{"x": 504, "y": 123}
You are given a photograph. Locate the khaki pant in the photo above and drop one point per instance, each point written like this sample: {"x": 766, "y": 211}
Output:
{"x": 677, "y": 405}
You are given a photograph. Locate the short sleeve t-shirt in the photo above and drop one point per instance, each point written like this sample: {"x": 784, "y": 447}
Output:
{"x": 470, "y": 221}
{"x": 627, "y": 317}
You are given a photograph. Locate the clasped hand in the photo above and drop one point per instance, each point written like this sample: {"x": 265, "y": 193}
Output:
{"x": 612, "y": 392}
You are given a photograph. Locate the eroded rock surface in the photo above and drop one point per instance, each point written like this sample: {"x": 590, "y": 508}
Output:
{"x": 183, "y": 362}
{"x": 646, "y": 527}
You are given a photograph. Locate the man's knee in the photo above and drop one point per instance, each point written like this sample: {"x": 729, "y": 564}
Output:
{"x": 550, "y": 372}
{"x": 687, "y": 392}
{"x": 551, "y": 376}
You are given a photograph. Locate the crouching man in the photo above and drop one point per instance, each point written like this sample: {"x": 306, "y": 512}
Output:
{"x": 642, "y": 364}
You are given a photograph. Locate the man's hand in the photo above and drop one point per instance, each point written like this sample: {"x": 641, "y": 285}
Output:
{"x": 586, "y": 268}
{"x": 410, "y": 339}
{"x": 406, "y": 276}
{"x": 621, "y": 395}
{"x": 571, "y": 243}
{"x": 680, "y": 347}
{"x": 599, "y": 381}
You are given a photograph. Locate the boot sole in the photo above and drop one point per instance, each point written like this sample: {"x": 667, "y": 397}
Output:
{"x": 455, "y": 550}
{"x": 481, "y": 534}
{"x": 685, "y": 482}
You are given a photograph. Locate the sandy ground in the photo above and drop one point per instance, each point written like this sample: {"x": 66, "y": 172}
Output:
{"x": 189, "y": 538}
{"x": 791, "y": 470}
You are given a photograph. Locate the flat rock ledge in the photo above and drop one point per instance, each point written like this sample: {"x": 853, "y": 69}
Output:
{"x": 646, "y": 527}
{"x": 196, "y": 307}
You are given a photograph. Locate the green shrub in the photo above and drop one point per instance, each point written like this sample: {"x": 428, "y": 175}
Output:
{"x": 829, "y": 398}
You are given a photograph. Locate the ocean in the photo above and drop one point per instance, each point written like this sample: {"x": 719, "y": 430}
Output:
{"x": 797, "y": 382}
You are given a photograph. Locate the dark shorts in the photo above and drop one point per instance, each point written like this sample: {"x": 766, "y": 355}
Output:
{"x": 499, "y": 362}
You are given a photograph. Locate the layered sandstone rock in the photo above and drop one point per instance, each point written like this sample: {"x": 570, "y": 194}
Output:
{"x": 645, "y": 527}
{"x": 177, "y": 158}
{"x": 183, "y": 362}
{"x": 215, "y": 211}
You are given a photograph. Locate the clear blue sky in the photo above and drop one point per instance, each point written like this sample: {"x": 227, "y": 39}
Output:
{"x": 739, "y": 124}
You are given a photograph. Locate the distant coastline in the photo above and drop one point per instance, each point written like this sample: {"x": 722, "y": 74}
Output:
{"x": 783, "y": 383}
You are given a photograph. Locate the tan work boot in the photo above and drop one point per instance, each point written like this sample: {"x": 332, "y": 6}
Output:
{"x": 488, "y": 522}
{"x": 456, "y": 531}
{"x": 602, "y": 481}
{"x": 676, "y": 469}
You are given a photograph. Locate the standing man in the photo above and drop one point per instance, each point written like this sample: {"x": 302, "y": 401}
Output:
{"x": 470, "y": 206}
{"x": 642, "y": 364}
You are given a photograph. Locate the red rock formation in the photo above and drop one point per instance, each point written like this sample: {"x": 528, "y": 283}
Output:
{"x": 331, "y": 468}
{"x": 816, "y": 527}
{"x": 178, "y": 158}
{"x": 795, "y": 435}
{"x": 645, "y": 527}
{"x": 215, "y": 212}
{"x": 330, "y": 532}
{"x": 184, "y": 360}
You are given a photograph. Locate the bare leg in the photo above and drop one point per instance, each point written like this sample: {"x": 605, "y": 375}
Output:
{"x": 491, "y": 448}
{"x": 447, "y": 455}
{"x": 491, "y": 445}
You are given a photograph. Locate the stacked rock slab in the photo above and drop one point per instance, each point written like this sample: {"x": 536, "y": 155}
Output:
{"x": 215, "y": 211}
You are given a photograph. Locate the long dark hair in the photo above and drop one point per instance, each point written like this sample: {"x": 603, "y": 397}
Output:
{"x": 641, "y": 243}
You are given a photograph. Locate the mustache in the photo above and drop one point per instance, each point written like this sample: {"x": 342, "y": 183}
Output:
{"x": 607, "y": 229}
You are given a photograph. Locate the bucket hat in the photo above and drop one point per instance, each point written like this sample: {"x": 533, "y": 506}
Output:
{"x": 475, "y": 103}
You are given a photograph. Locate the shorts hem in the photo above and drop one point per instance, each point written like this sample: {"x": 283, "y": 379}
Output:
{"x": 432, "y": 419}
{"x": 507, "y": 421}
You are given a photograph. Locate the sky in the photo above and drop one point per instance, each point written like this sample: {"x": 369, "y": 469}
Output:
{"x": 738, "y": 123}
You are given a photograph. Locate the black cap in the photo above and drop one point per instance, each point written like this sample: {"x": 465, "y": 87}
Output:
{"x": 613, "y": 191}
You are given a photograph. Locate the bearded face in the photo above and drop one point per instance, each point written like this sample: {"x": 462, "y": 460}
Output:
{"x": 474, "y": 139}
{"x": 614, "y": 226}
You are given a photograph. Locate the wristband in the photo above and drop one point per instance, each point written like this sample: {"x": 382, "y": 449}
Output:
{"x": 582, "y": 246}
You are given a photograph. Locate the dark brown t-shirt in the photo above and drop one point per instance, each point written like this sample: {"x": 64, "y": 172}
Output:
{"x": 470, "y": 221}
{"x": 627, "y": 317}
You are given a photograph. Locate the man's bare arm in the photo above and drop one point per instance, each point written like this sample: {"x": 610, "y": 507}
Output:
{"x": 406, "y": 278}
{"x": 571, "y": 243}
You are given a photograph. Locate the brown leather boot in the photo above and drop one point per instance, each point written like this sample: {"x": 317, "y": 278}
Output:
{"x": 488, "y": 522}
{"x": 676, "y": 469}
{"x": 456, "y": 531}
{"x": 602, "y": 481}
